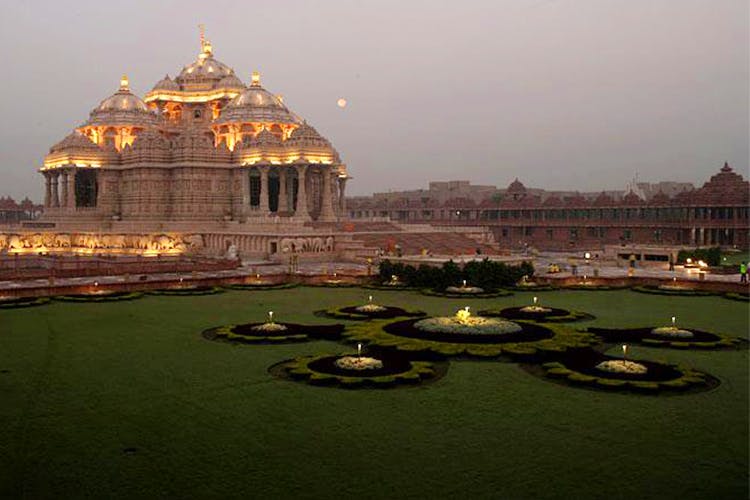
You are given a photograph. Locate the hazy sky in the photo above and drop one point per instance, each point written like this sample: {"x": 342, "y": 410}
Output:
{"x": 565, "y": 94}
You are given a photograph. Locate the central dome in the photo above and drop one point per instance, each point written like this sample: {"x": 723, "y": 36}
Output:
{"x": 204, "y": 70}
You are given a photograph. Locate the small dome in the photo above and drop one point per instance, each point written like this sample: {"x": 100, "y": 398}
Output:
{"x": 256, "y": 105}
{"x": 516, "y": 187}
{"x": 74, "y": 140}
{"x": 230, "y": 82}
{"x": 122, "y": 108}
{"x": 166, "y": 83}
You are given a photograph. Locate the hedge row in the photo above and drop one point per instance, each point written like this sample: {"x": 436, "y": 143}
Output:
{"x": 485, "y": 274}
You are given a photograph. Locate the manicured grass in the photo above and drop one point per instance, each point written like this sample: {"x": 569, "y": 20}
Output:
{"x": 86, "y": 381}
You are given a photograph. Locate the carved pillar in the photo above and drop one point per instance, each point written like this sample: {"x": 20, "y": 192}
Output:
{"x": 72, "y": 189}
{"x": 245, "y": 190}
{"x": 55, "y": 196}
{"x": 264, "y": 191}
{"x": 342, "y": 196}
{"x": 300, "y": 210}
{"x": 326, "y": 206}
{"x": 283, "y": 196}
{"x": 64, "y": 202}
{"x": 47, "y": 190}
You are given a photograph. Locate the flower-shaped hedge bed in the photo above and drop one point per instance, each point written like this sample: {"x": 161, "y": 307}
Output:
{"x": 532, "y": 342}
{"x": 262, "y": 285}
{"x": 104, "y": 296}
{"x": 187, "y": 290}
{"x": 253, "y": 333}
{"x": 466, "y": 295}
{"x": 357, "y": 313}
{"x": 394, "y": 370}
{"x": 548, "y": 315}
{"x": 698, "y": 340}
{"x": 16, "y": 302}
{"x": 672, "y": 290}
{"x": 583, "y": 367}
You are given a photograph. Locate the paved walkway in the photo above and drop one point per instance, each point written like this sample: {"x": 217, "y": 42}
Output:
{"x": 265, "y": 268}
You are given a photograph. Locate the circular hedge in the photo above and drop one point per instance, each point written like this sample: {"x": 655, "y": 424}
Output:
{"x": 534, "y": 288}
{"x": 460, "y": 295}
{"x": 579, "y": 368}
{"x": 740, "y": 297}
{"x": 383, "y": 286}
{"x": 260, "y": 286}
{"x": 294, "y": 333}
{"x": 594, "y": 288}
{"x": 182, "y": 291}
{"x": 18, "y": 302}
{"x": 351, "y": 313}
{"x": 99, "y": 297}
{"x": 687, "y": 292}
{"x": 699, "y": 340}
{"x": 554, "y": 315}
{"x": 332, "y": 284}
{"x": 535, "y": 341}
{"x": 397, "y": 371}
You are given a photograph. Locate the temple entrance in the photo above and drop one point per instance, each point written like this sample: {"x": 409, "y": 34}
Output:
{"x": 85, "y": 188}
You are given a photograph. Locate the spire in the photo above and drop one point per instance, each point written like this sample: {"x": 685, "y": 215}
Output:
{"x": 255, "y": 79}
{"x": 206, "y": 48}
{"x": 124, "y": 83}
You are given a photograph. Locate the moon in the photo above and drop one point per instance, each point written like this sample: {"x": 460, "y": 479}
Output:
{"x": 341, "y": 102}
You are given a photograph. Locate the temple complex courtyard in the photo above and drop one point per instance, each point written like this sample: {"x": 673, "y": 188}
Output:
{"x": 130, "y": 399}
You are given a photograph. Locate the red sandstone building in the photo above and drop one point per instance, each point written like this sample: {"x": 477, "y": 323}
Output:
{"x": 715, "y": 214}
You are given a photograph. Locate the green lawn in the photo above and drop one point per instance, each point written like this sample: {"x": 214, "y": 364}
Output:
{"x": 83, "y": 382}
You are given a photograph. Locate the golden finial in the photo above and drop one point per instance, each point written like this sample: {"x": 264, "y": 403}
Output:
{"x": 255, "y": 79}
{"x": 124, "y": 83}
{"x": 206, "y": 48}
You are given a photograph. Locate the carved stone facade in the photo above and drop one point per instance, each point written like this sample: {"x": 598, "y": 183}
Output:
{"x": 202, "y": 147}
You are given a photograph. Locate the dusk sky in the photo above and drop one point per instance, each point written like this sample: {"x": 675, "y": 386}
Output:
{"x": 566, "y": 94}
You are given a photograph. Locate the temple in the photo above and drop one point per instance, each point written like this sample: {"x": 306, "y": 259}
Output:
{"x": 667, "y": 213}
{"x": 200, "y": 148}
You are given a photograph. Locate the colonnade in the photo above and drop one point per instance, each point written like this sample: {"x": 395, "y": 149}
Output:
{"x": 319, "y": 191}
{"x": 59, "y": 188}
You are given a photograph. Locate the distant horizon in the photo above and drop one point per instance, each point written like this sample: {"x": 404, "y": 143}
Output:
{"x": 565, "y": 95}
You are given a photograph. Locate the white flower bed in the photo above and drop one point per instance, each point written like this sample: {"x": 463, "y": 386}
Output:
{"x": 269, "y": 327}
{"x": 672, "y": 331}
{"x": 464, "y": 289}
{"x": 370, "y": 308}
{"x": 536, "y": 309}
{"x": 622, "y": 366}
{"x": 475, "y": 325}
{"x": 358, "y": 363}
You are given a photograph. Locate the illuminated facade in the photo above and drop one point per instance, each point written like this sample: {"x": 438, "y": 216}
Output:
{"x": 202, "y": 147}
